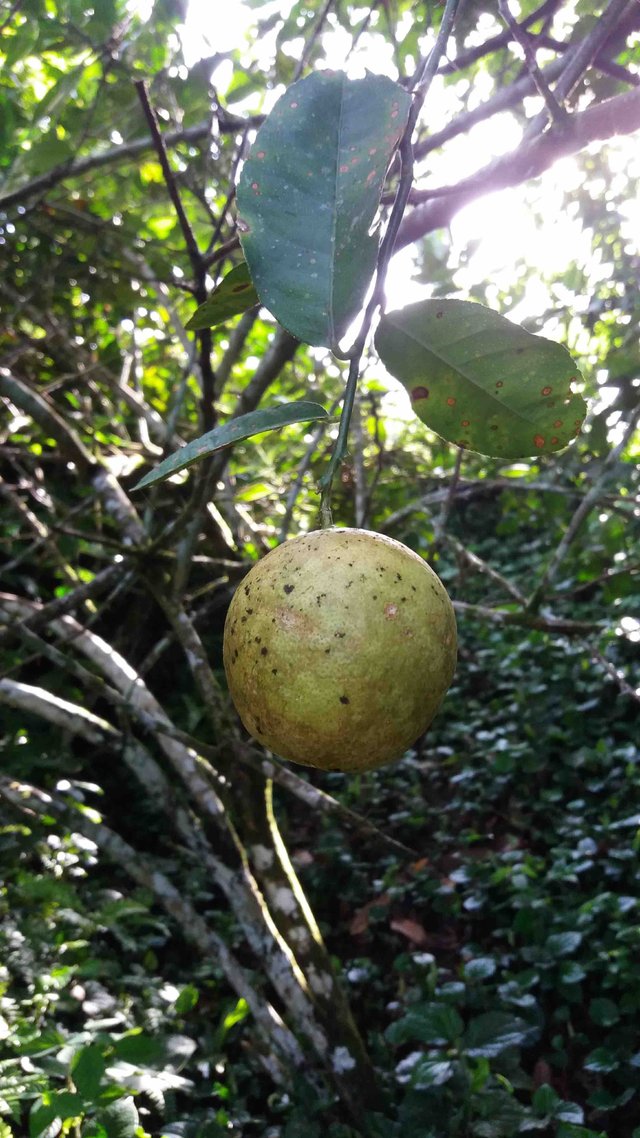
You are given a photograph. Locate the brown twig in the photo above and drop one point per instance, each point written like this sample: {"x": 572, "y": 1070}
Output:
{"x": 617, "y": 116}
{"x": 557, "y": 112}
{"x": 447, "y": 505}
{"x": 315, "y": 32}
{"x": 616, "y": 675}
{"x": 195, "y": 256}
{"x": 587, "y": 504}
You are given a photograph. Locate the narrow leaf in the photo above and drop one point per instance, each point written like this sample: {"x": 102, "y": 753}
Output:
{"x": 480, "y": 381}
{"x": 234, "y": 294}
{"x": 233, "y": 431}
{"x": 308, "y": 197}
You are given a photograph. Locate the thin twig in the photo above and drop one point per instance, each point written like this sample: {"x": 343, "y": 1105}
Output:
{"x": 584, "y": 509}
{"x": 304, "y": 465}
{"x": 339, "y": 450}
{"x": 447, "y": 505}
{"x": 483, "y": 567}
{"x": 522, "y": 619}
{"x": 557, "y": 112}
{"x": 315, "y": 32}
{"x": 421, "y": 83}
{"x": 359, "y": 476}
{"x": 170, "y": 182}
{"x": 580, "y": 58}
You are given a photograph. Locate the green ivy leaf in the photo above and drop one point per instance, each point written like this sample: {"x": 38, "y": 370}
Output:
{"x": 604, "y": 1012}
{"x": 40, "y": 1118}
{"x": 569, "y": 1112}
{"x": 480, "y": 381}
{"x": 87, "y": 1071}
{"x": 432, "y": 1073}
{"x": 308, "y": 197}
{"x": 567, "y": 1130}
{"x": 120, "y": 1118}
{"x": 480, "y": 968}
{"x": 233, "y": 431}
{"x": 545, "y": 1100}
{"x": 429, "y": 1023}
{"x": 62, "y": 1105}
{"x": 234, "y": 294}
{"x": 137, "y": 1048}
{"x": 601, "y": 1060}
{"x": 563, "y": 944}
{"x": 490, "y": 1034}
{"x": 187, "y": 999}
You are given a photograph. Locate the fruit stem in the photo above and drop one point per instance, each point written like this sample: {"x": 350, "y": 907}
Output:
{"x": 340, "y": 448}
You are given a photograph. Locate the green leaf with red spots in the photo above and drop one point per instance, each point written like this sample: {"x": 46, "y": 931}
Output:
{"x": 480, "y": 381}
{"x": 308, "y": 197}
{"x": 233, "y": 431}
{"x": 234, "y": 294}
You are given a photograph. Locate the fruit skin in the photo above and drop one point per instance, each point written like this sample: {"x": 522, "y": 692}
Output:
{"x": 338, "y": 647}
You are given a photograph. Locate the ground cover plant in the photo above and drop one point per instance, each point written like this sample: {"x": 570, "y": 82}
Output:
{"x": 211, "y": 341}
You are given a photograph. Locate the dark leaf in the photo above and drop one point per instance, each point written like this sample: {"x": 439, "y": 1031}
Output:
{"x": 601, "y": 1060}
{"x": 120, "y": 1118}
{"x": 87, "y": 1071}
{"x": 604, "y": 1011}
{"x": 138, "y": 1048}
{"x": 428, "y": 1023}
{"x": 308, "y": 196}
{"x": 563, "y": 944}
{"x": 490, "y": 1034}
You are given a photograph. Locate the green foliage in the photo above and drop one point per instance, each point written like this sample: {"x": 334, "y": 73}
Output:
{"x": 491, "y": 960}
{"x": 480, "y": 381}
{"x": 308, "y": 197}
{"x": 242, "y": 427}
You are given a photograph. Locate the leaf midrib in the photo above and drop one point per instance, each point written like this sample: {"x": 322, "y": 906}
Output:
{"x": 334, "y": 221}
{"x": 493, "y": 398}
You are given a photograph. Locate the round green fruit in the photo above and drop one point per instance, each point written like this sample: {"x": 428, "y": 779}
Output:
{"x": 339, "y": 647}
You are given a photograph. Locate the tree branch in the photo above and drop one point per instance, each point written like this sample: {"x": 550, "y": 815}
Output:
{"x": 587, "y": 504}
{"x": 284, "y": 1049}
{"x": 227, "y": 124}
{"x": 617, "y": 116}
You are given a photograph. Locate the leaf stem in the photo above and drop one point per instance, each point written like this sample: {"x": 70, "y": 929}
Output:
{"x": 422, "y": 81}
{"x": 340, "y": 448}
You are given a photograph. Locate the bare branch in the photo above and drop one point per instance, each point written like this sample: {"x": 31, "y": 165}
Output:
{"x": 227, "y": 123}
{"x": 617, "y": 116}
{"x": 70, "y": 716}
{"x": 616, "y": 675}
{"x": 522, "y": 619}
{"x": 483, "y": 567}
{"x": 145, "y": 872}
{"x": 556, "y": 111}
{"x": 587, "y": 504}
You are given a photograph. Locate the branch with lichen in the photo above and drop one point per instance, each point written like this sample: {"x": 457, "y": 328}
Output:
{"x": 283, "y": 1052}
